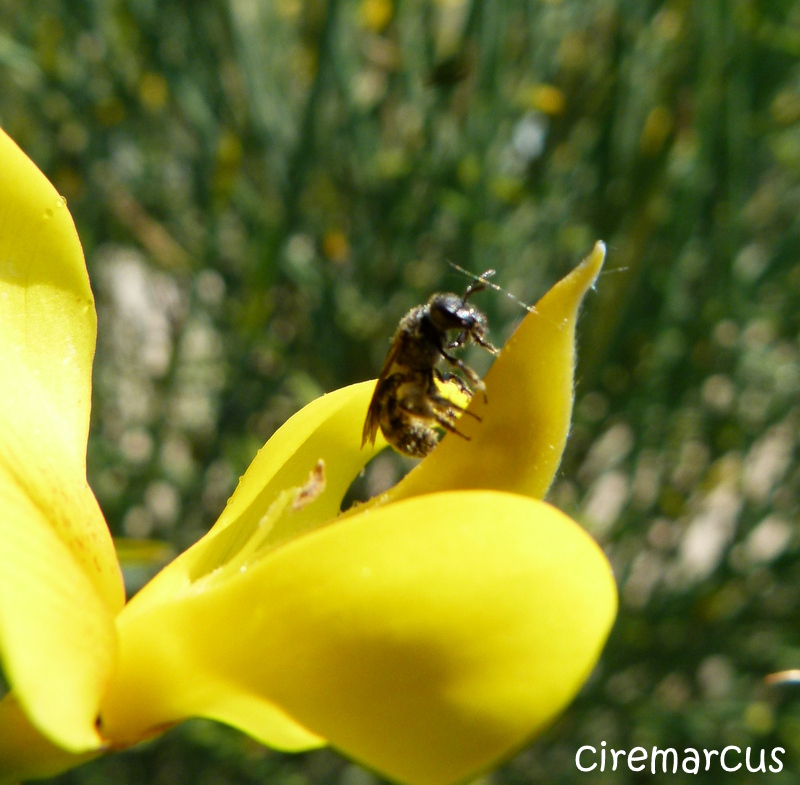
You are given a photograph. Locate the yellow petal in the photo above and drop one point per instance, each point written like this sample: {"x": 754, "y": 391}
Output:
{"x": 425, "y": 638}
{"x": 328, "y": 429}
{"x": 60, "y": 584}
{"x": 48, "y": 309}
{"x": 24, "y": 752}
{"x": 518, "y": 444}
{"x": 57, "y": 636}
{"x": 260, "y": 516}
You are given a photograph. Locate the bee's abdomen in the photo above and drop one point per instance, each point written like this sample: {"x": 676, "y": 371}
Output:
{"x": 407, "y": 432}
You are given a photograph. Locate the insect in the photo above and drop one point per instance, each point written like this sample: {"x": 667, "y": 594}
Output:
{"x": 409, "y": 403}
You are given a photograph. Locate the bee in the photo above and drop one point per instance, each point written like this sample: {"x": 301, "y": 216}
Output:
{"x": 408, "y": 404}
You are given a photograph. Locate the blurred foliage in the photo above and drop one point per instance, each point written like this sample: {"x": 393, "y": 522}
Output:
{"x": 264, "y": 188}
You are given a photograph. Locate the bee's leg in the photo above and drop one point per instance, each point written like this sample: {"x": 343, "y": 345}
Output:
{"x": 460, "y": 340}
{"x": 481, "y": 341}
{"x": 468, "y": 372}
{"x": 444, "y": 414}
{"x": 446, "y": 408}
{"x": 448, "y": 426}
{"x": 451, "y": 378}
{"x": 445, "y": 419}
{"x": 476, "y": 334}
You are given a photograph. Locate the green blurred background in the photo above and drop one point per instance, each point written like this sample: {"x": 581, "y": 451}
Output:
{"x": 264, "y": 187}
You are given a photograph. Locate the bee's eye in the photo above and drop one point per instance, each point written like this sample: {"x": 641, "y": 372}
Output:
{"x": 445, "y": 310}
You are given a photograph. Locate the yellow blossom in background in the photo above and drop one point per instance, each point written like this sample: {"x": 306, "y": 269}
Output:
{"x": 656, "y": 130}
{"x": 153, "y": 91}
{"x": 376, "y": 14}
{"x": 544, "y": 98}
{"x": 427, "y": 633}
{"x": 335, "y": 246}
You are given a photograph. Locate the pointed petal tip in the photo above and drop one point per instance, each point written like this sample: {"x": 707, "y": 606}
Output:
{"x": 585, "y": 275}
{"x": 517, "y": 443}
{"x": 596, "y": 259}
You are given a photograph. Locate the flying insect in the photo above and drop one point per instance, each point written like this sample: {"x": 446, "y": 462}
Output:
{"x": 409, "y": 403}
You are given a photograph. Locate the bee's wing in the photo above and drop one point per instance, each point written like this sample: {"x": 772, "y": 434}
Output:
{"x": 372, "y": 423}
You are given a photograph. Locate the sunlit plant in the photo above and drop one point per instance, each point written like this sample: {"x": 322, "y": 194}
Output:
{"x": 427, "y": 633}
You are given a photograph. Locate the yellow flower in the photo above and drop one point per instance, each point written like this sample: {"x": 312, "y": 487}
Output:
{"x": 426, "y": 633}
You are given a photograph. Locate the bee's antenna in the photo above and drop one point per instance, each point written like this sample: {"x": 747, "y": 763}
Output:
{"x": 479, "y": 282}
{"x": 615, "y": 270}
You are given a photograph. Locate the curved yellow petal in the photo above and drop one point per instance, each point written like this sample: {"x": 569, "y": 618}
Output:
{"x": 327, "y": 429}
{"x": 426, "y": 638}
{"x": 57, "y": 637}
{"x": 48, "y": 308}
{"x": 60, "y": 584}
{"x": 24, "y": 752}
{"x": 260, "y": 515}
{"x": 517, "y": 446}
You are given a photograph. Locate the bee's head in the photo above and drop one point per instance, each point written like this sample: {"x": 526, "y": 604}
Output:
{"x": 451, "y": 312}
